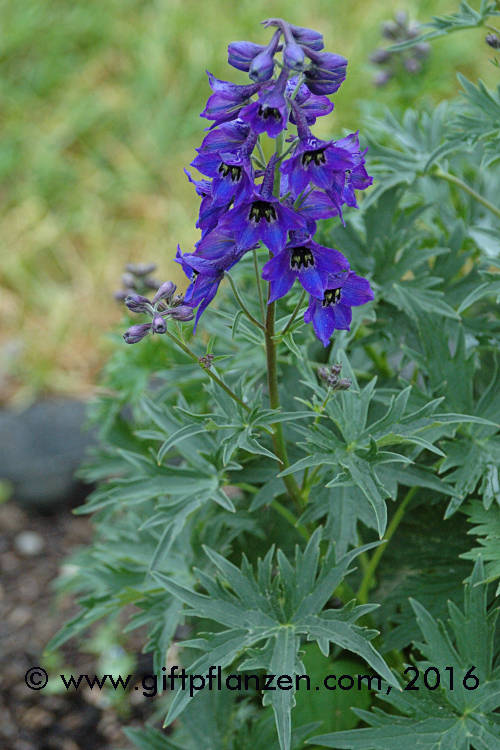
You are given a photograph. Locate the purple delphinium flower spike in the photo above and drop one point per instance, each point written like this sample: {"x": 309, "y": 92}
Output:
{"x": 227, "y": 100}
{"x": 263, "y": 217}
{"x": 333, "y": 311}
{"x": 269, "y": 114}
{"x": 305, "y": 260}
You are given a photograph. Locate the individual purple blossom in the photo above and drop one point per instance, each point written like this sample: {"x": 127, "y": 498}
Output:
{"x": 311, "y": 105}
{"x": 262, "y": 217}
{"x": 333, "y": 311}
{"x": 205, "y": 275}
{"x": 270, "y": 113}
{"x": 305, "y": 260}
{"x": 210, "y": 212}
{"x": 231, "y": 173}
{"x": 227, "y": 100}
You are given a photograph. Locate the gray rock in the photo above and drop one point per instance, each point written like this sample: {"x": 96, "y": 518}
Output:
{"x": 40, "y": 450}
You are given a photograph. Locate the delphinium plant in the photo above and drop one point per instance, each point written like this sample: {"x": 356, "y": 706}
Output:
{"x": 294, "y": 449}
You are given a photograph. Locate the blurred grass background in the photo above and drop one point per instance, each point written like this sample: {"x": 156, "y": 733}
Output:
{"x": 99, "y": 110}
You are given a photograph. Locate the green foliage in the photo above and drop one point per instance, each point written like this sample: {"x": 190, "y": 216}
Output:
{"x": 453, "y": 716}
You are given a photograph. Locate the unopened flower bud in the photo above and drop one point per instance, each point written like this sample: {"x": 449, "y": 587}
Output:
{"x": 380, "y": 56}
{"x": 137, "y": 303}
{"x": 401, "y": 18}
{"x": 140, "y": 269}
{"x": 382, "y": 78}
{"x": 309, "y": 37}
{"x": 136, "y": 333}
{"x": 344, "y": 384}
{"x": 159, "y": 325}
{"x": 241, "y": 54}
{"x": 183, "y": 312}
{"x": 165, "y": 291}
{"x": 129, "y": 281}
{"x": 422, "y": 49}
{"x": 412, "y": 65}
{"x": 389, "y": 30}
{"x": 262, "y": 67}
{"x": 492, "y": 40}
{"x": 293, "y": 56}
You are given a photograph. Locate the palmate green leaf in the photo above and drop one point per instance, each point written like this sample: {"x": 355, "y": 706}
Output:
{"x": 487, "y": 529}
{"x": 273, "y": 609}
{"x": 349, "y": 445}
{"x": 457, "y": 719}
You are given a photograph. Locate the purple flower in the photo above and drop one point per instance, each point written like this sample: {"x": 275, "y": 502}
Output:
{"x": 262, "y": 217}
{"x": 206, "y": 274}
{"x": 305, "y": 260}
{"x": 269, "y": 114}
{"x": 333, "y": 310}
{"x": 227, "y": 100}
{"x": 311, "y": 106}
{"x": 232, "y": 173}
{"x": 326, "y": 73}
{"x": 229, "y": 136}
{"x": 318, "y": 162}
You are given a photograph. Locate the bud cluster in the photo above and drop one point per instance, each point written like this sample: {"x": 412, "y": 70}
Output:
{"x": 331, "y": 376}
{"x": 400, "y": 29}
{"x": 165, "y": 304}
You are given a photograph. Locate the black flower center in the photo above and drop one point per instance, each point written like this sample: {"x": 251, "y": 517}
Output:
{"x": 331, "y": 297}
{"x": 230, "y": 170}
{"x": 267, "y": 112}
{"x": 301, "y": 257}
{"x": 262, "y": 210}
{"x": 317, "y": 156}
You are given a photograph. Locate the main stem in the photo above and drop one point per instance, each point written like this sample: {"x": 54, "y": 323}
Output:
{"x": 274, "y": 400}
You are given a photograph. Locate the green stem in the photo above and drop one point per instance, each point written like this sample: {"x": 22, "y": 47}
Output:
{"x": 466, "y": 188}
{"x": 367, "y": 581}
{"x": 274, "y": 401}
{"x": 294, "y": 314}
{"x": 209, "y": 372}
{"x": 259, "y": 285}
{"x": 242, "y": 304}
{"x": 491, "y": 28}
{"x": 283, "y": 511}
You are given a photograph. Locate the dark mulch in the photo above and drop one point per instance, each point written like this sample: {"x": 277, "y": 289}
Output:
{"x": 29, "y": 617}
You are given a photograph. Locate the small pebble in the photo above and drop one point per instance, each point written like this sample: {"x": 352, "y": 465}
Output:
{"x": 29, "y": 543}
